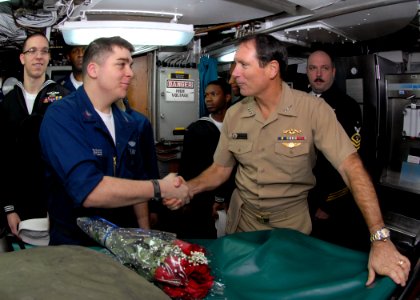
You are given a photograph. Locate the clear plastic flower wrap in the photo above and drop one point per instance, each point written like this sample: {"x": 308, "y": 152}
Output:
{"x": 179, "y": 268}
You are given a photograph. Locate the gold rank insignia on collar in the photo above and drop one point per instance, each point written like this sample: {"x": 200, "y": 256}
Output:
{"x": 292, "y": 138}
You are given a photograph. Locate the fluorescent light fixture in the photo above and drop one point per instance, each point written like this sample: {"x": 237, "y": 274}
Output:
{"x": 136, "y": 32}
{"x": 228, "y": 57}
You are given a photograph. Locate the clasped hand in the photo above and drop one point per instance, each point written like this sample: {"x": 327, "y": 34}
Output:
{"x": 175, "y": 191}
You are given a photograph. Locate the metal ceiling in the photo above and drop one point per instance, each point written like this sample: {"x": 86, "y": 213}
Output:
{"x": 295, "y": 21}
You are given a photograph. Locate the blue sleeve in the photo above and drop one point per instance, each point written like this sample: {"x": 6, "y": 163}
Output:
{"x": 67, "y": 151}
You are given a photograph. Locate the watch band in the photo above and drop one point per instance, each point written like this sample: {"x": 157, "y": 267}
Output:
{"x": 381, "y": 235}
{"x": 156, "y": 189}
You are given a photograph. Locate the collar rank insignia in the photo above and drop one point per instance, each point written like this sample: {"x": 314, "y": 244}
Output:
{"x": 291, "y": 138}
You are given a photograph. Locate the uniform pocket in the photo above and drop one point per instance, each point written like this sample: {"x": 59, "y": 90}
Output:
{"x": 242, "y": 150}
{"x": 234, "y": 212}
{"x": 302, "y": 149}
{"x": 295, "y": 161}
{"x": 240, "y": 147}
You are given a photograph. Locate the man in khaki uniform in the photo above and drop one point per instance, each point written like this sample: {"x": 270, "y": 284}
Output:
{"x": 271, "y": 135}
{"x": 276, "y": 155}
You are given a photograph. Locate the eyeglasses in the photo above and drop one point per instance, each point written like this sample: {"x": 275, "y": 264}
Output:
{"x": 34, "y": 51}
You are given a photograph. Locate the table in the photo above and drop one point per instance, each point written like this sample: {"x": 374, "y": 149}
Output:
{"x": 274, "y": 264}
{"x": 286, "y": 264}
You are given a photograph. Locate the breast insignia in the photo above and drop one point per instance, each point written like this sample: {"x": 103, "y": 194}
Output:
{"x": 291, "y": 138}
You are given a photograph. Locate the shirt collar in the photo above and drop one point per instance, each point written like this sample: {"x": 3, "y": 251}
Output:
{"x": 286, "y": 106}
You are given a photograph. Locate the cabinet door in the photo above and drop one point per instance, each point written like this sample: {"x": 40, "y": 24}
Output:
{"x": 178, "y": 90}
{"x": 139, "y": 88}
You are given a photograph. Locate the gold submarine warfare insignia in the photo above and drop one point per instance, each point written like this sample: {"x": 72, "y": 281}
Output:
{"x": 292, "y": 138}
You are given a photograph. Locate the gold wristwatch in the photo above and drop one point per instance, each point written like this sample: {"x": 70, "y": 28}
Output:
{"x": 381, "y": 235}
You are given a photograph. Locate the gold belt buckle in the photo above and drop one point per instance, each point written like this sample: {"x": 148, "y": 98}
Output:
{"x": 263, "y": 219}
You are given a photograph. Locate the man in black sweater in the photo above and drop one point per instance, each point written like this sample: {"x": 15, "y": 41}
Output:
{"x": 197, "y": 219}
{"x": 334, "y": 213}
{"x": 21, "y": 112}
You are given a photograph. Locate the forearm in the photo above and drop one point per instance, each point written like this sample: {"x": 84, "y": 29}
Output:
{"x": 114, "y": 192}
{"x": 361, "y": 186}
{"x": 117, "y": 192}
{"x": 142, "y": 213}
{"x": 209, "y": 179}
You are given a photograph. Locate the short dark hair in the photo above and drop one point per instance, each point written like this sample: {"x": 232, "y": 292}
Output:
{"x": 31, "y": 36}
{"x": 268, "y": 48}
{"x": 68, "y": 48}
{"x": 96, "y": 49}
{"x": 223, "y": 84}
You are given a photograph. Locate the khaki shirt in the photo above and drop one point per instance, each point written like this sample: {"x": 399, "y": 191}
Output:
{"x": 275, "y": 158}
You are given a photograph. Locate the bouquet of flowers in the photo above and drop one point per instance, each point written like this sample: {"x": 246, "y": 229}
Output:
{"x": 179, "y": 268}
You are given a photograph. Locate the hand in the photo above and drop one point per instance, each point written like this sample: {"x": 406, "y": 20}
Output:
{"x": 218, "y": 206}
{"x": 176, "y": 194}
{"x": 13, "y": 220}
{"x": 384, "y": 259}
{"x": 321, "y": 215}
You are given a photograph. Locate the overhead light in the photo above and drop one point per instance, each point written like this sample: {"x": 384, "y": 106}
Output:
{"x": 136, "y": 32}
{"x": 228, "y": 57}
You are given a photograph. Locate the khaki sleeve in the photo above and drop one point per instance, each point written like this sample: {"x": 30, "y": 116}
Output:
{"x": 329, "y": 136}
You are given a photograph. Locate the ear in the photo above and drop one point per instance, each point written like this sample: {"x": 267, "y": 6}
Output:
{"x": 21, "y": 58}
{"x": 273, "y": 69}
{"x": 228, "y": 98}
{"x": 92, "y": 70}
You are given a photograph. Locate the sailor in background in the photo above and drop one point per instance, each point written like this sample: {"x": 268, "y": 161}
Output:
{"x": 73, "y": 80}
{"x": 197, "y": 219}
{"x": 335, "y": 216}
{"x": 21, "y": 112}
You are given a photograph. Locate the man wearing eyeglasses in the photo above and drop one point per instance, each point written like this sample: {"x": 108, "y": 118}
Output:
{"x": 22, "y": 192}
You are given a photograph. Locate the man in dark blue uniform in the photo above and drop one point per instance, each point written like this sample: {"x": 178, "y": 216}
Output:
{"x": 94, "y": 150}
{"x": 73, "y": 80}
{"x": 335, "y": 215}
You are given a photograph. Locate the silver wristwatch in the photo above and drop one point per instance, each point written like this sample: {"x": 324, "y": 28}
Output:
{"x": 380, "y": 235}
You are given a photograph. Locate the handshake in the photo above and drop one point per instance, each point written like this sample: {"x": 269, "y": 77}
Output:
{"x": 175, "y": 191}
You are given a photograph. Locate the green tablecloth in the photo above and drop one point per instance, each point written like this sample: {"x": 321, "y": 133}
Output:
{"x": 286, "y": 264}
{"x": 278, "y": 264}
